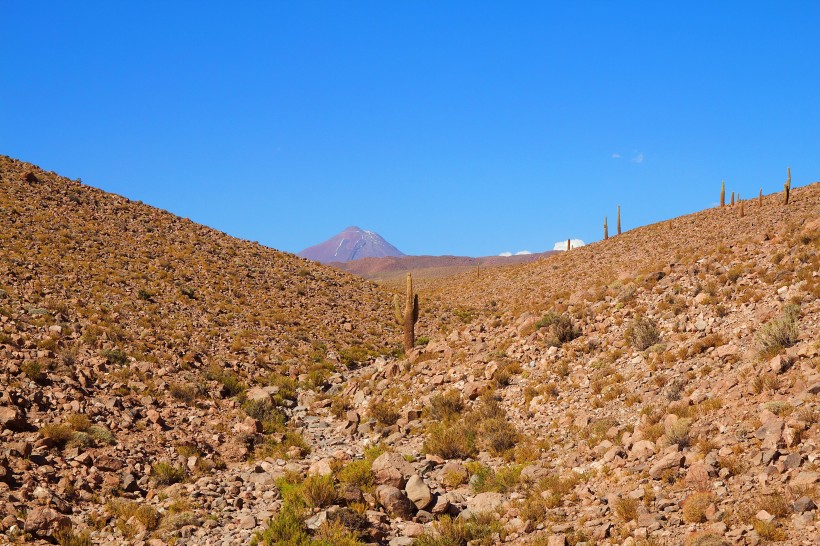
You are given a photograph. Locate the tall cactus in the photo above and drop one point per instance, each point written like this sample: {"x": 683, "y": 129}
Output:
{"x": 568, "y": 245}
{"x": 606, "y": 229}
{"x": 739, "y": 200}
{"x": 409, "y": 316}
{"x": 722, "y": 193}
{"x": 760, "y": 198}
{"x": 732, "y": 202}
{"x": 619, "y": 219}
{"x": 787, "y": 186}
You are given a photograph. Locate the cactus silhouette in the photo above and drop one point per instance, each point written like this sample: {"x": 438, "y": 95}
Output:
{"x": 787, "y": 186}
{"x": 722, "y": 193}
{"x": 409, "y": 316}
{"x": 606, "y": 229}
{"x": 619, "y": 219}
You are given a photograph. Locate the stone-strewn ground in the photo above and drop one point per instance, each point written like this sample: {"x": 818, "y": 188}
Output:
{"x": 622, "y": 393}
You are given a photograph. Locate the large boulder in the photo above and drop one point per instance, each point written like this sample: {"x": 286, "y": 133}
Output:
{"x": 392, "y": 469}
{"x": 395, "y": 501}
{"x": 418, "y": 492}
{"x": 44, "y": 522}
{"x": 11, "y": 418}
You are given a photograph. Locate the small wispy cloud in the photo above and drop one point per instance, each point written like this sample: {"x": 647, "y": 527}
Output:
{"x": 508, "y": 253}
{"x": 616, "y": 156}
{"x": 522, "y": 252}
{"x": 638, "y": 157}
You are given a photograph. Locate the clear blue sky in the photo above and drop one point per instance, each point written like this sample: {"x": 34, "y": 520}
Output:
{"x": 466, "y": 128}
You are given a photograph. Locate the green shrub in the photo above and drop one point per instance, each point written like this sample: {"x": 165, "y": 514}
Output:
{"x": 33, "y": 370}
{"x": 358, "y": 473}
{"x": 114, "y": 356}
{"x": 319, "y": 491}
{"x": 166, "y": 474}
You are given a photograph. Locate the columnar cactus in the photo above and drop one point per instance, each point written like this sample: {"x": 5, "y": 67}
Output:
{"x": 739, "y": 200}
{"x": 787, "y": 186}
{"x": 732, "y": 202}
{"x": 619, "y": 219}
{"x": 722, "y": 193}
{"x": 760, "y": 198}
{"x": 409, "y": 316}
{"x": 606, "y": 229}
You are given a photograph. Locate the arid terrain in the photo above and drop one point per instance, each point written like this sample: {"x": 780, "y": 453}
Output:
{"x": 391, "y": 271}
{"x": 164, "y": 383}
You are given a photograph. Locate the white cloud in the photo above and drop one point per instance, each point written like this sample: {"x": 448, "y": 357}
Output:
{"x": 616, "y": 156}
{"x": 562, "y": 245}
{"x": 508, "y": 253}
{"x": 522, "y": 252}
{"x": 638, "y": 158}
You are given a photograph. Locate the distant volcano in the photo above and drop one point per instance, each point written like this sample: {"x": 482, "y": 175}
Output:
{"x": 351, "y": 244}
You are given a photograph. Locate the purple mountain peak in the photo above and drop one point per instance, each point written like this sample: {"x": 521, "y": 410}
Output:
{"x": 352, "y": 243}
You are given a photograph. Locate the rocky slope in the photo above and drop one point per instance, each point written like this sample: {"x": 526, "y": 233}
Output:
{"x": 655, "y": 388}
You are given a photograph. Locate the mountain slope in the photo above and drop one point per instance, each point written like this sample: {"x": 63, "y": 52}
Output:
{"x": 131, "y": 336}
{"x": 352, "y": 243}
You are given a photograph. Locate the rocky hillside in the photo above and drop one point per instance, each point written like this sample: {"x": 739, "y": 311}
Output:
{"x": 164, "y": 383}
{"x": 126, "y": 332}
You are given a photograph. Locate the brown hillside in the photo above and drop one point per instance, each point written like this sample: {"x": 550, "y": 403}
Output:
{"x": 166, "y": 383}
{"x": 643, "y": 250}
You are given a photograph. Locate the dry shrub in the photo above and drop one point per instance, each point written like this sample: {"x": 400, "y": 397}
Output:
{"x": 451, "y": 441}
{"x": 626, "y": 508}
{"x": 384, "y": 412}
{"x": 643, "y": 333}
{"x": 769, "y": 530}
{"x": 447, "y": 406}
{"x": 779, "y": 333}
{"x": 319, "y": 491}
{"x": 695, "y": 505}
{"x": 704, "y": 538}
{"x": 499, "y": 435}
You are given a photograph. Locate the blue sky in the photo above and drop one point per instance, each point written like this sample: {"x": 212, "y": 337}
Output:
{"x": 467, "y": 128}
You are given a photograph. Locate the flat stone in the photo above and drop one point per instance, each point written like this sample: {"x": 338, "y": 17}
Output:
{"x": 485, "y": 502}
{"x": 803, "y": 504}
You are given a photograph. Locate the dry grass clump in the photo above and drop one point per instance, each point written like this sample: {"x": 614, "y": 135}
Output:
{"x": 165, "y": 473}
{"x": 677, "y": 433}
{"x": 769, "y": 530}
{"x": 446, "y": 406}
{"x": 478, "y": 530}
{"x": 704, "y": 538}
{"x": 643, "y": 333}
{"x": 779, "y": 333}
{"x": 450, "y": 440}
{"x": 132, "y": 517}
{"x": 561, "y": 328}
{"x": 484, "y": 478}
{"x": 384, "y": 412}
{"x": 626, "y": 508}
{"x": 695, "y": 505}
{"x": 319, "y": 491}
